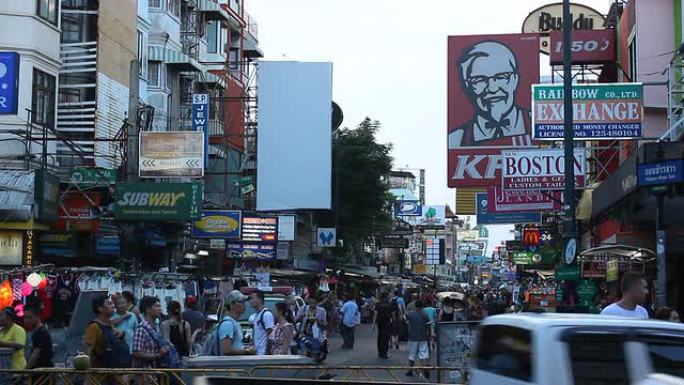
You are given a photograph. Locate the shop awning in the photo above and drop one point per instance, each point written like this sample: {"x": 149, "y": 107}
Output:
{"x": 16, "y": 194}
{"x": 212, "y": 10}
{"x": 173, "y": 58}
{"x": 635, "y": 253}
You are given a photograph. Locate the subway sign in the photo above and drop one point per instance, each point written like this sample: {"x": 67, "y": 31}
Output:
{"x": 158, "y": 201}
{"x": 600, "y": 111}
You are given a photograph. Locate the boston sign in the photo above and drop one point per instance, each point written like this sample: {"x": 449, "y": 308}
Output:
{"x": 542, "y": 169}
{"x": 158, "y": 201}
{"x": 600, "y": 111}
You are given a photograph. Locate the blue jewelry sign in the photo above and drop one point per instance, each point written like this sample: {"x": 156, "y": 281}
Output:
{"x": 660, "y": 173}
{"x": 9, "y": 82}
{"x": 486, "y": 218}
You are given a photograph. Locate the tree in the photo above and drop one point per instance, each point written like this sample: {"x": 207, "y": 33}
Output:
{"x": 363, "y": 204}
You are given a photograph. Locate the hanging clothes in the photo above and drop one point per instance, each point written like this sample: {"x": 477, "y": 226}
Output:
{"x": 65, "y": 297}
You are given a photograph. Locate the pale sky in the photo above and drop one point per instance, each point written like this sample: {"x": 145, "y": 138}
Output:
{"x": 389, "y": 63}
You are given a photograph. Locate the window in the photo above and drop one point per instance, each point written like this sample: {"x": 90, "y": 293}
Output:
{"x": 78, "y": 27}
{"x": 48, "y": 10}
{"x": 141, "y": 54}
{"x": 43, "y": 98}
{"x": 212, "y": 34}
{"x": 667, "y": 356}
{"x": 632, "y": 61}
{"x": 506, "y": 351}
{"x": 155, "y": 3}
{"x": 154, "y": 74}
{"x": 173, "y": 6}
{"x": 598, "y": 359}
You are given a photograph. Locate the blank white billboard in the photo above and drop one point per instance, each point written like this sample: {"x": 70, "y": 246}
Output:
{"x": 294, "y": 143}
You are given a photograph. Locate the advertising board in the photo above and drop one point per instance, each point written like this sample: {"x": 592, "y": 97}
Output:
{"x": 540, "y": 169}
{"x": 260, "y": 229}
{"x": 388, "y": 241}
{"x": 173, "y": 154}
{"x": 251, "y": 250}
{"x": 295, "y": 136}
{"x": 287, "y": 225}
{"x": 408, "y": 208}
{"x": 484, "y": 217}
{"x": 433, "y": 216}
{"x": 200, "y": 120}
{"x": 600, "y": 111}
{"x": 499, "y": 200}
{"x": 79, "y": 211}
{"x": 489, "y": 94}
{"x": 89, "y": 177}
{"x": 224, "y": 224}
{"x": 588, "y": 47}
{"x": 9, "y": 83}
{"x": 11, "y": 248}
{"x": 158, "y": 201}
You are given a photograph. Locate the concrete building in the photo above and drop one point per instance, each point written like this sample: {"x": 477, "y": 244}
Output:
{"x": 37, "y": 47}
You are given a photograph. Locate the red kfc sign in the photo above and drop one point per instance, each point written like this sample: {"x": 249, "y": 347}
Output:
{"x": 489, "y": 84}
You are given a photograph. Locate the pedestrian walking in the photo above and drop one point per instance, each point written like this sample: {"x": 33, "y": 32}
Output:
{"x": 666, "y": 313}
{"x": 125, "y": 320}
{"x": 398, "y": 311}
{"x": 419, "y": 335}
{"x": 191, "y": 314}
{"x": 263, "y": 323}
{"x": 284, "y": 331}
{"x": 176, "y": 330}
{"x": 132, "y": 304}
{"x": 382, "y": 318}
{"x": 312, "y": 318}
{"x": 147, "y": 352}
{"x": 230, "y": 333}
{"x": 634, "y": 292}
{"x": 13, "y": 336}
{"x": 41, "y": 341}
{"x": 350, "y": 318}
{"x": 103, "y": 343}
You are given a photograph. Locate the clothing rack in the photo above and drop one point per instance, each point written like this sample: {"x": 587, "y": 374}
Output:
{"x": 24, "y": 270}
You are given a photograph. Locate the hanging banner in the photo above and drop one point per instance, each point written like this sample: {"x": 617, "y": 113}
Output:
{"x": 484, "y": 217}
{"x": 489, "y": 86}
{"x": 223, "y": 224}
{"x": 158, "y": 201}
{"x": 541, "y": 169}
{"x": 600, "y": 111}
{"x": 499, "y": 200}
{"x": 174, "y": 154}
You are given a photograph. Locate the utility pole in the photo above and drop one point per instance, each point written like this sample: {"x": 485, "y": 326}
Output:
{"x": 130, "y": 249}
{"x": 569, "y": 231}
{"x": 661, "y": 256}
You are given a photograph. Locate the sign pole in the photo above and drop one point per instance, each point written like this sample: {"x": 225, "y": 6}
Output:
{"x": 661, "y": 287}
{"x": 569, "y": 231}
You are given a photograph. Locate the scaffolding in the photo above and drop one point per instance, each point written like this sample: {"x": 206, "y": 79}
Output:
{"x": 675, "y": 99}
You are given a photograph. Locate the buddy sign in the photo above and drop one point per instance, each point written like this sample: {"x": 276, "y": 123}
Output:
{"x": 542, "y": 169}
{"x": 600, "y": 111}
{"x": 158, "y": 201}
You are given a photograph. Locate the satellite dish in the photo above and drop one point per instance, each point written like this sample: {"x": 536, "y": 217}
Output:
{"x": 337, "y": 116}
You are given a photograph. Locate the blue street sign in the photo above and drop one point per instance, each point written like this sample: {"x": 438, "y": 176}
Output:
{"x": 661, "y": 173}
{"x": 9, "y": 83}
{"x": 485, "y": 218}
{"x": 200, "y": 120}
{"x": 405, "y": 208}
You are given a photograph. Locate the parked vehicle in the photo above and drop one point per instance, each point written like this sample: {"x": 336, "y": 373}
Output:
{"x": 570, "y": 349}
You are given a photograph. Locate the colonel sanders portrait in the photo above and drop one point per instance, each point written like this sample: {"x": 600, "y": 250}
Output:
{"x": 490, "y": 78}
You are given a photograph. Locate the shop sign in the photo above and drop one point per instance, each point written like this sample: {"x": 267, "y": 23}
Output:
{"x": 480, "y": 126}
{"x": 287, "y": 225}
{"x": 108, "y": 245}
{"x": 29, "y": 248}
{"x": 524, "y": 257}
{"x": 158, "y": 201}
{"x": 484, "y": 217}
{"x": 46, "y": 195}
{"x": 57, "y": 244}
{"x": 661, "y": 173}
{"x": 420, "y": 268}
{"x": 9, "y": 79}
{"x": 612, "y": 270}
{"x": 548, "y": 18}
{"x": 432, "y": 216}
{"x": 586, "y": 289}
{"x": 588, "y": 47}
{"x": 89, "y": 177}
{"x": 283, "y": 251}
{"x": 11, "y": 248}
{"x": 260, "y": 229}
{"x": 500, "y": 201}
{"x": 217, "y": 244}
{"x": 251, "y": 250}
{"x": 476, "y": 259}
{"x": 218, "y": 224}
{"x": 389, "y": 241}
{"x": 77, "y": 212}
{"x": 408, "y": 208}
{"x": 173, "y": 154}
{"x": 600, "y": 111}
{"x": 567, "y": 273}
{"x": 200, "y": 119}
{"x": 542, "y": 169}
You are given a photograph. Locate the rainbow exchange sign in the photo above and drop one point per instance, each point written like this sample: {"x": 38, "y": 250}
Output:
{"x": 600, "y": 111}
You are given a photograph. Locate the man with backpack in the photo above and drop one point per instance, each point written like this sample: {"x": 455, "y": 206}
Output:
{"x": 149, "y": 348}
{"x": 262, "y": 323}
{"x": 227, "y": 341}
{"x": 103, "y": 343}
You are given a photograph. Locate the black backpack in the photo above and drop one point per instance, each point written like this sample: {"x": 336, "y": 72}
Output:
{"x": 117, "y": 353}
{"x": 177, "y": 336}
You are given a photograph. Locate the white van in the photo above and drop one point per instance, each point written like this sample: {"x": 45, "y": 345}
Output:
{"x": 575, "y": 349}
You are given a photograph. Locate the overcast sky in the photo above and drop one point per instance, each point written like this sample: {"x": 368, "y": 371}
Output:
{"x": 389, "y": 62}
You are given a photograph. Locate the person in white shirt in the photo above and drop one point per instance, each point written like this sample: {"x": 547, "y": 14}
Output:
{"x": 634, "y": 292}
{"x": 263, "y": 323}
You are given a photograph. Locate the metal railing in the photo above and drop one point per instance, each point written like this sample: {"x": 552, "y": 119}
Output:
{"x": 62, "y": 376}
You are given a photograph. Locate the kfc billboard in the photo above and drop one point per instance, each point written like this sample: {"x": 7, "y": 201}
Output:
{"x": 490, "y": 79}
{"x": 540, "y": 169}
